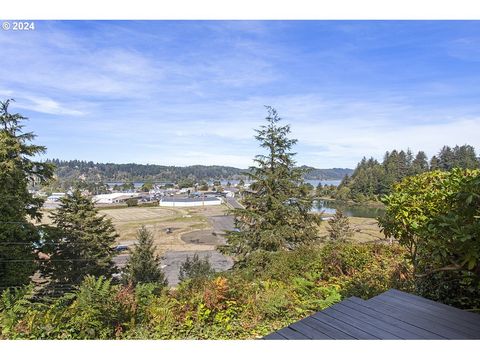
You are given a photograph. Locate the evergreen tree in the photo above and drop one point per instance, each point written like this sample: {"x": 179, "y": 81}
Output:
{"x": 319, "y": 190}
{"x": 80, "y": 243}
{"x": 434, "y": 163}
{"x": 446, "y": 158}
{"x": 195, "y": 269}
{"x": 18, "y": 206}
{"x": 340, "y": 229}
{"x": 277, "y": 207}
{"x": 419, "y": 164}
{"x": 465, "y": 157}
{"x": 143, "y": 265}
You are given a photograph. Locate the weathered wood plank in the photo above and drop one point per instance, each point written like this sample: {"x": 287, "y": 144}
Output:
{"x": 360, "y": 324}
{"x": 448, "y": 321}
{"x": 291, "y": 334}
{"x": 309, "y": 331}
{"x": 344, "y": 327}
{"x": 374, "y": 320}
{"x": 414, "y": 318}
{"x": 391, "y": 315}
{"x": 359, "y": 305}
{"x": 470, "y": 319}
{"x": 327, "y": 329}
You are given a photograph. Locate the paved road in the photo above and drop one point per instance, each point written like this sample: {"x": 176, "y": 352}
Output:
{"x": 234, "y": 203}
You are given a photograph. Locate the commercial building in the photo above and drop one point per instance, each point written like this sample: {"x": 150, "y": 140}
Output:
{"x": 113, "y": 198}
{"x": 183, "y": 201}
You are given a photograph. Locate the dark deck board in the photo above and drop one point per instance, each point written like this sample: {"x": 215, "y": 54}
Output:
{"x": 309, "y": 331}
{"x": 375, "y": 320}
{"x": 448, "y": 317}
{"x": 391, "y": 315}
{"x": 292, "y": 334}
{"x": 345, "y": 327}
{"x": 470, "y": 319}
{"x": 325, "y": 328}
{"x": 419, "y": 332}
{"x": 374, "y": 330}
{"x": 416, "y": 319}
{"x": 448, "y": 321}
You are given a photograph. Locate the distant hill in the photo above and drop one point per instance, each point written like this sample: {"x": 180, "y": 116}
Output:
{"x": 326, "y": 174}
{"x": 90, "y": 171}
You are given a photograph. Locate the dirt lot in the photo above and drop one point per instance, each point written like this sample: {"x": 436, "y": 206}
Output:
{"x": 180, "y": 221}
{"x": 366, "y": 229}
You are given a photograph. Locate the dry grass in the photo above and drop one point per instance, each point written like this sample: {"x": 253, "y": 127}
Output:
{"x": 184, "y": 220}
{"x": 157, "y": 219}
{"x": 366, "y": 229}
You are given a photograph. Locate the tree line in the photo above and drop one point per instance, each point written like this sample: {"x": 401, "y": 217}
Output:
{"x": 372, "y": 179}
{"x": 71, "y": 172}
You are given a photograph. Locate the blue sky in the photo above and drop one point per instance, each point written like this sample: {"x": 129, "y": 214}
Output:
{"x": 191, "y": 92}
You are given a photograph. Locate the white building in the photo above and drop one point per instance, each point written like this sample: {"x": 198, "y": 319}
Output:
{"x": 183, "y": 202}
{"x": 113, "y": 198}
{"x": 55, "y": 197}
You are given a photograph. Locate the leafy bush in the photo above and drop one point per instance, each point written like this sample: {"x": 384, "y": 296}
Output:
{"x": 435, "y": 216}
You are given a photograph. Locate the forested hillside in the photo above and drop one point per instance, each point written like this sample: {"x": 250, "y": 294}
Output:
{"x": 372, "y": 179}
{"x": 326, "y": 174}
{"x": 90, "y": 171}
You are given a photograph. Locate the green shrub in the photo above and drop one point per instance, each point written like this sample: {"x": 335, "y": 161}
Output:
{"x": 270, "y": 291}
{"x": 132, "y": 202}
{"x": 195, "y": 269}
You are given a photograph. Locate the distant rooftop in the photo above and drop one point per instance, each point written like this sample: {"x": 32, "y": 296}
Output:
{"x": 197, "y": 199}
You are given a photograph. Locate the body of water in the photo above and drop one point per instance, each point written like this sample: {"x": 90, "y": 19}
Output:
{"x": 329, "y": 207}
{"x": 315, "y": 183}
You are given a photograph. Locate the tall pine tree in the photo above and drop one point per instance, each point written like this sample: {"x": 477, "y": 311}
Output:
{"x": 277, "y": 208}
{"x": 143, "y": 265}
{"x": 18, "y": 206}
{"x": 80, "y": 243}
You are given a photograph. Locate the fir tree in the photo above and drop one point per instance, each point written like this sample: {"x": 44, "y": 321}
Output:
{"x": 340, "y": 229}
{"x": 419, "y": 164}
{"x": 446, "y": 158}
{"x": 143, "y": 265}
{"x": 18, "y": 236}
{"x": 195, "y": 269}
{"x": 465, "y": 157}
{"x": 434, "y": 163}
{"x": 80, "y": 243}
{"x": 277, "y": 207}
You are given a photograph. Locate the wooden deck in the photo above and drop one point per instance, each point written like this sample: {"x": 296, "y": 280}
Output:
{"x": 391, "y": 315}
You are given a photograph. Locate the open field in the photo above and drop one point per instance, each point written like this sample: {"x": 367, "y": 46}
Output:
{"x": 194, "y": 228}
{"x": 158, "y": 219}
{"x": 180, "y": 221}
{"x": 366, "y": 229}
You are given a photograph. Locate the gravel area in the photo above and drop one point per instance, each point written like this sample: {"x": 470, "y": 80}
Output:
{"x": 172, "y": 261}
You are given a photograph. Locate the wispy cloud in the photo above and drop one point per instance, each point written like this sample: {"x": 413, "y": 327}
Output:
{"x": 193, "y": 92}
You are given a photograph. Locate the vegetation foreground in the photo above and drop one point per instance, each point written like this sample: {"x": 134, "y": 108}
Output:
{"x": 271, "y": 291}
